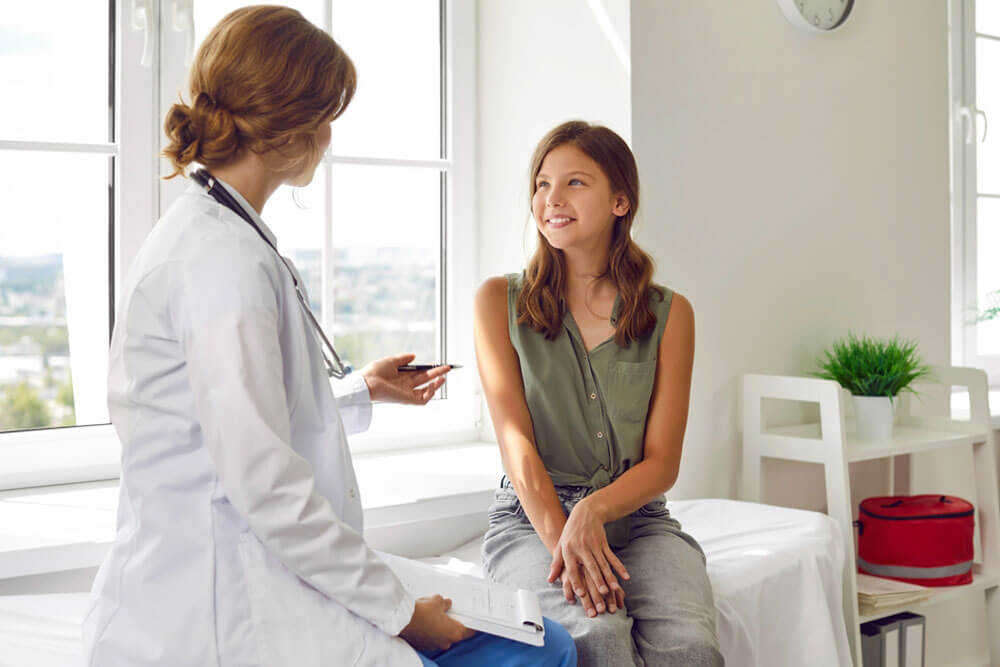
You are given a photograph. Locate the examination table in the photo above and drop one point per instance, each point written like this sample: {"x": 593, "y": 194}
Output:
{"x": 776, "y": 573}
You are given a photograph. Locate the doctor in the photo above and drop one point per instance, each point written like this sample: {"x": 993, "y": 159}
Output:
{"x": 239, "y": 524}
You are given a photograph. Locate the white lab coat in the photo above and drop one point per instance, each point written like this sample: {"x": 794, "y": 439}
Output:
{"x": 239, "y": 522}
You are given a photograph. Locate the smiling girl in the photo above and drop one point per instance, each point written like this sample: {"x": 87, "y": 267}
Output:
{"x": 586, "y": 365}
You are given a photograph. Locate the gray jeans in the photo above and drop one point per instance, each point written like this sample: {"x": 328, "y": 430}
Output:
{"x": 669, "y": 615}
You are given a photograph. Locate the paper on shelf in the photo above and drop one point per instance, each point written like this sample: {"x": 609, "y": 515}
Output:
{"x": 872, "y": 585}
{"x": 876, "y": 593}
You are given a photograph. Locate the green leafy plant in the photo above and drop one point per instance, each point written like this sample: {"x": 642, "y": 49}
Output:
{"x": 992, "y": 310}
{"x": 872, "y": 367}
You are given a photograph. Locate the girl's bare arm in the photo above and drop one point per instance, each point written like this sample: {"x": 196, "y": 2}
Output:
{"x": 500, "y": 373}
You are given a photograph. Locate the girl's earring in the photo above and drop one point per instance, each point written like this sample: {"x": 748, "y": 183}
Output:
{"x": 297, "y": 199}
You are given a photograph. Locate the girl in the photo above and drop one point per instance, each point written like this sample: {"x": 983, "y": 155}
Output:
{"x": 240, "y": 525}
{"x": 586, "y": 365}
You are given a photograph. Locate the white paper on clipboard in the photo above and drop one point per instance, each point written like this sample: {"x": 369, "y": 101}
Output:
{"x": 475, "y": 603}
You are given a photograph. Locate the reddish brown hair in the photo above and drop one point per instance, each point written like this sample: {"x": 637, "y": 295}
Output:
{"x": 264, "y": 76}
{"x": 542, "y": 301}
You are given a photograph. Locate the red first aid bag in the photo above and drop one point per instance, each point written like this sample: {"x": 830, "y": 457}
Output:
{"x": 925, "y": 540}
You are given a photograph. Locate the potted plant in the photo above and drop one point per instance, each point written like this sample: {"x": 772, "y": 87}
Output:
{"x": 874, "y": 371}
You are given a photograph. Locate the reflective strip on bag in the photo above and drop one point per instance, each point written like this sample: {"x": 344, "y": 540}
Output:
{"x": 904, "y": 572}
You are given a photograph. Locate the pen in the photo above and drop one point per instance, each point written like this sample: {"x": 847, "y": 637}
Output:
{"x": 424, "y": 367}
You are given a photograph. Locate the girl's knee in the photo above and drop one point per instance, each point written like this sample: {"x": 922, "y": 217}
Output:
{"x": 699, "y": 647}
{"x": 701, "y": 651}
{"x": 605, "y": 639}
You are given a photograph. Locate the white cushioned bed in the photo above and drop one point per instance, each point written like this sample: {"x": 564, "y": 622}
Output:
{"x": 776, "y": 574}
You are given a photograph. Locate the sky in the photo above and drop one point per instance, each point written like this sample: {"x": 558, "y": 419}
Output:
{"x": 57, "y": 70}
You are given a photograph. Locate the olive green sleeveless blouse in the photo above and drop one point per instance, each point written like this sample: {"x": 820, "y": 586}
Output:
{"x": 588, "y": 407}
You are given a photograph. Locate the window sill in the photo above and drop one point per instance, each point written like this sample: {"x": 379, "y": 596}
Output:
{"x": 55, "y": 528}
{"x": 66, "y": 456}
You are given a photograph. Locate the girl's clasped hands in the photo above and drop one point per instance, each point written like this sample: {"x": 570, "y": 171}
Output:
{"x": 585, "y": 563}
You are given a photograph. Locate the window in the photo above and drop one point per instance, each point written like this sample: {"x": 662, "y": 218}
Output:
{"x": 55, "y": 268}
{"x": 375, "y": 236}
{"x": 371, "y": 221}
{"x": 64, "y": 158}
{"x": 975, "y": 100}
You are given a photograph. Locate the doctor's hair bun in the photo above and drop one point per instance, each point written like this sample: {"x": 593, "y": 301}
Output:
{"x": 205, "y": 133}
{"x": 264, "y": 76}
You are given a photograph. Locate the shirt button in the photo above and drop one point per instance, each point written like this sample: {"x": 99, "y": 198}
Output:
{"x": 600, "y": 434}
{"x": 593, "y": 397}
{"x": 352, "y": 493}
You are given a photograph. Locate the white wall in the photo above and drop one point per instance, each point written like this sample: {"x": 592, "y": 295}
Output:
{"x": 796, "y": 186}
{"x": 540, "y": 63}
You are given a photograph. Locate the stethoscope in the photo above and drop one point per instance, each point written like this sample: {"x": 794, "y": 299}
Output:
{"x": 334, "y": 368}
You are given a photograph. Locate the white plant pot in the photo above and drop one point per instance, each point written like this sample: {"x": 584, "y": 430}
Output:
{"x": 875, "y": 415}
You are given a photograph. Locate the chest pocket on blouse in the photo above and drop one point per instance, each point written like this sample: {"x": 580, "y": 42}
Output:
{"x": 629, "y": 389}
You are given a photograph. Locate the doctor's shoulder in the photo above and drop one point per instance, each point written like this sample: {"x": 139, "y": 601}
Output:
{"x": 213, "y": 256}
{"x": 201, "y": 230}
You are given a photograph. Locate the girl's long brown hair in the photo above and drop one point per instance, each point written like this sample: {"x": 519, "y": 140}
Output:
{"x": 264, "y": 76}
{"x": 541, "y": 303}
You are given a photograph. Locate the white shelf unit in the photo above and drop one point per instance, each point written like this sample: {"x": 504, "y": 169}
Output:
{"x": 831, "y": 443}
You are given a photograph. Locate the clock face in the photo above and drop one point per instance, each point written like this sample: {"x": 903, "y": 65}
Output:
{"x": 824, "y": 14}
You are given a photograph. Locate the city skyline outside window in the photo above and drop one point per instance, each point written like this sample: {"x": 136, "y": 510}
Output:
{"x": 54, "y": 232}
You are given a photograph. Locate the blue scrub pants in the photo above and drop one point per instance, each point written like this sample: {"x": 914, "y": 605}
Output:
{"x": 484, "y": 649}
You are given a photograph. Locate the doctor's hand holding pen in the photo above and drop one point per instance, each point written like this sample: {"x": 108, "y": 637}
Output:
{"x": 386, "y": 382}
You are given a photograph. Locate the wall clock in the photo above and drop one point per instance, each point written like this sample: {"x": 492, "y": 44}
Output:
{"x": 816, "y": 15}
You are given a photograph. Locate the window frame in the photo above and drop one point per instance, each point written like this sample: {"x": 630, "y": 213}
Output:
{"x": 89, "y": 453}
{"x": 456, "y": 418}
{"x": 83, "y": 453}
{"x": 964, "y": 188}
